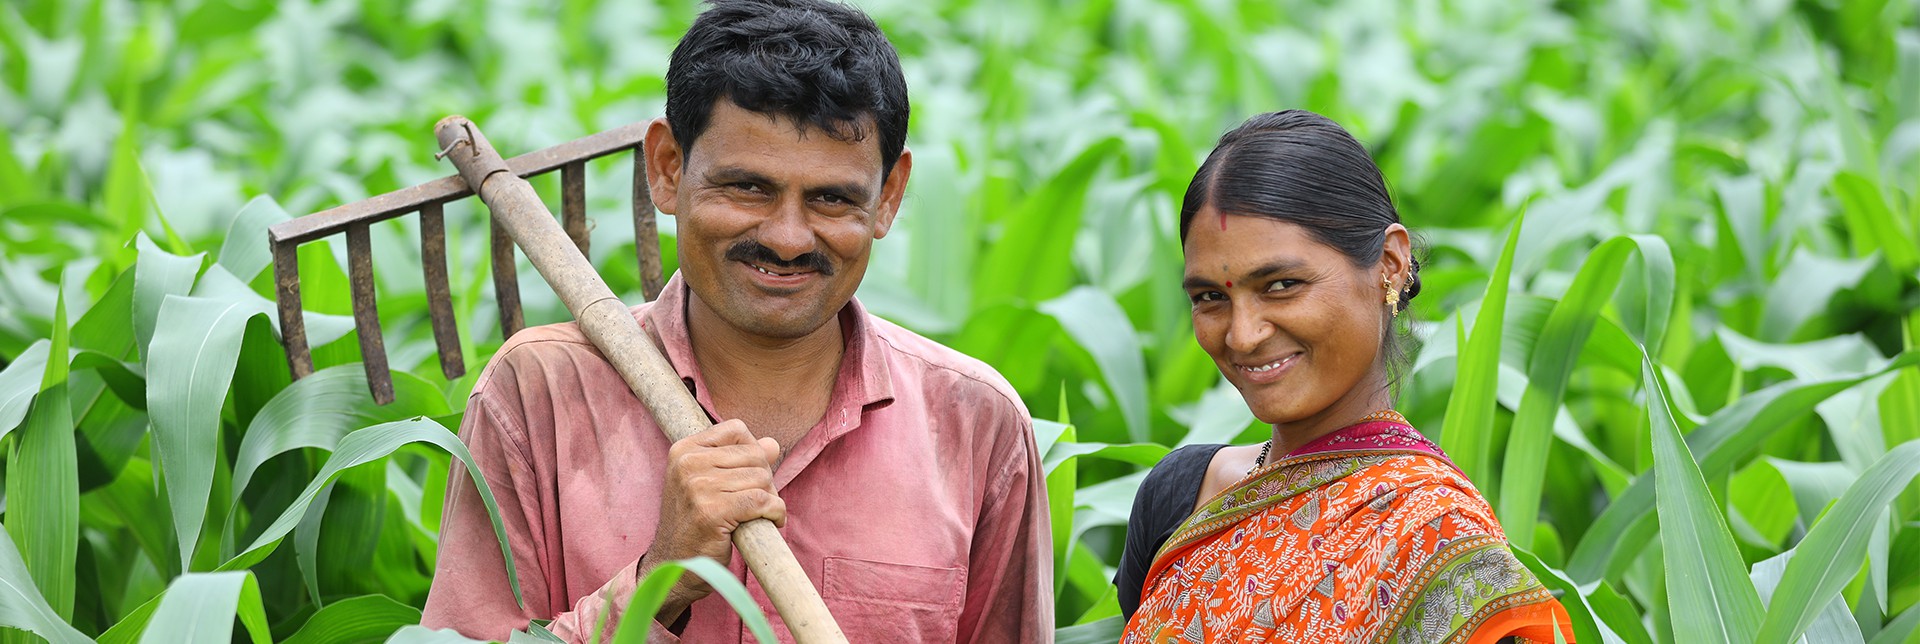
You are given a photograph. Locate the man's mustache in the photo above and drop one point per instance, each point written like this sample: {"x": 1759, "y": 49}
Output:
{"x": 753, "y": 252}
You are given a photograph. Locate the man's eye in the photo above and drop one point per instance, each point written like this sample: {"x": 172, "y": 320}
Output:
{"x": 746, "y": 187}
{"x": 834, "y": 200}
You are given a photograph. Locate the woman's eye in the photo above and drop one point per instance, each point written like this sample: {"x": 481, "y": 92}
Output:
{"x": 1207, "y": 296}
{"x": 1281, "y": 285}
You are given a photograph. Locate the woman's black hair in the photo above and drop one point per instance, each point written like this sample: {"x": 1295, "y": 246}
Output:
{"x": 1302, "y": 168}
{"x": 824, "y": 65}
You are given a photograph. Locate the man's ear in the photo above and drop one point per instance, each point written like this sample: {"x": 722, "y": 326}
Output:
{"x": 892, "y": 192}
{"x": 665, "y": 160}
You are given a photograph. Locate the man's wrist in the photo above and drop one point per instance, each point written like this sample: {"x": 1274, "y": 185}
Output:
{"x": 674, "y": 608}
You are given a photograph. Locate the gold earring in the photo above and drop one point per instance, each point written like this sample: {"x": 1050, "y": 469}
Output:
{"x": 1393, "y": 296}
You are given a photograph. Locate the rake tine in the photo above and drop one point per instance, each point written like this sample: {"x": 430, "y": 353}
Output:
{"x": 506, "y": 284}
{"x": 366, "y": 315}
{"x": 433, "y": 260}
{"x": 293, "y": 327}
{"x": 646, "y": 232}
{"x": 573, "y": 204}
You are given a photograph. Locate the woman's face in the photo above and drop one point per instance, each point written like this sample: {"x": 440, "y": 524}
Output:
{"x": 1290, "y": 321}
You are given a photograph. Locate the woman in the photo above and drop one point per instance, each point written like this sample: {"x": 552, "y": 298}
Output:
{"x": 1348, "y": 525}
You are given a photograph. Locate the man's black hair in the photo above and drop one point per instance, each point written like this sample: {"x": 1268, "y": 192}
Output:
{"x": 822, "y": 64}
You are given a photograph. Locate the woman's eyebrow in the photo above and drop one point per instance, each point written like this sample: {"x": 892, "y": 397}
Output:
{"x": 1265, "y": 270}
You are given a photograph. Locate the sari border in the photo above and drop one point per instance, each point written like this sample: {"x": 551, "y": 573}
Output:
{"x": 1530, "y": 591}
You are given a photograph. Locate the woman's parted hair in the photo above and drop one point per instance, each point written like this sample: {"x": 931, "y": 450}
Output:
{"x": 822, "y": 64}
{"x": 1302, "y": 168}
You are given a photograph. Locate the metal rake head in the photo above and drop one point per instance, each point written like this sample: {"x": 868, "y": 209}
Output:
{"x": 429, "y": 199}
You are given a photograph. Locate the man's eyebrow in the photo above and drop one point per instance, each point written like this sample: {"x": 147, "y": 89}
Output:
{"x": 850, "y": 191}
{"x": 726, "y": 175}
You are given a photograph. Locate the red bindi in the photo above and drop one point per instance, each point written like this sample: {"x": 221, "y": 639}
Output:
{"x": 1229, "y": 283}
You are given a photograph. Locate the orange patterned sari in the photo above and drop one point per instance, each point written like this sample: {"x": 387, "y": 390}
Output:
{"x": 1368, "y": 534}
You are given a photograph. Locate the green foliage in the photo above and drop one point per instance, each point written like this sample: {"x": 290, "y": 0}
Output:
{"x": 1711, "y": 304}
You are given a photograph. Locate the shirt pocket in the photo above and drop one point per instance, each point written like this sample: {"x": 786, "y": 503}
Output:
{"x": 881, "y": 601}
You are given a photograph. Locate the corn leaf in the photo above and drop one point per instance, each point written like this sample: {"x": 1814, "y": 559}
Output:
{"x": 20, "y": 382}
{"x": 43, "y": 479}
{"x": 200, "y": 607}
{"x": 21, "y": 604}
{"x": 1708, "y": 592}
{"x": 1555, "y": 353}
{"x": 156, "y": 275}
{"x": 245, "y": 251}
{"x": 1728, "y": 435}
{"x": 1836, "y": 546}
{"x": 1467, "y": 435}
{"x": 366, "y": 618}
{"x": 423, "y": 635}
{"x": 365, "y": 446}
{"x": 1099, "y": 325}
{"x": 652, "y": 592}
{"x": 192, "y": 363}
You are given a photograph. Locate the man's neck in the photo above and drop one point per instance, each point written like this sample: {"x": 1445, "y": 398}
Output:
{"x": 779, "y": 386}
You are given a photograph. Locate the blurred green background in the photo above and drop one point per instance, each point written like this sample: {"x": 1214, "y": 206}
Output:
{"x": 1731, "y": 187}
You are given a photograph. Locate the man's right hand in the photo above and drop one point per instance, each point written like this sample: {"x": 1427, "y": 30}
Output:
{"x": 716, "y": 480}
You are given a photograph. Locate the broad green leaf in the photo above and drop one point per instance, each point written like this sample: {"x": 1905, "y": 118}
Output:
{"x": 1836, "y": 546}
{"x": 423, "y": 635}
{"x": 246, "y": 252}
{"x": 1555, "y": 354}
{"x": 1587, "y": 626}
{"x": 1872, "y": 224}
{"x": 21, "y": 604}
{"x": 20, "y": 382}
{"x": 1467, "y": 435}
{"x": 1708, "y": 591}
{"x": 192, "y": 360}
{"x": 365, "y": 446}
{"x": 43, "y": 479}
{"x": 1727, "y": 437}
{"x": 1026, "y": 263}
{"x": 43, "y": 497}
{"x": 156, "y": 275}
{"x": 106, "y": 327}
{"x": 367, "y": 618}
{"x": 200, "y": 607}
{"x": 1098, "y": 324}
{"x": 1901, "y": 629}
{"x": 1101, "y": 632}
{"x": 652, "y": 592}
{"x": 318, "y": 410}
{"x": 1831, "y": 623}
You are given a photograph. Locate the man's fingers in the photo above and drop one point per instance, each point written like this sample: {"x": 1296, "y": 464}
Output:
{"x": 762, "y": 504}
{"x": 771, "y": 448}
{"x": 750, "y": 455}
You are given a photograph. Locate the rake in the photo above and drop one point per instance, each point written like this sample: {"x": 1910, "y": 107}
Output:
{"x": 558, "y": 251}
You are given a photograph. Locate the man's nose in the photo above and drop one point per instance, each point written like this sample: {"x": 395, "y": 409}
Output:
{"x": 786, "y": 232}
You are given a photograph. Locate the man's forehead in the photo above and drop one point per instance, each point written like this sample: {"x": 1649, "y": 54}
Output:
{"x": 736, "y": 138}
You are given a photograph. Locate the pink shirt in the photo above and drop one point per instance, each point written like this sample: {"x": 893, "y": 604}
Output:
{"x": 916, "y": 505}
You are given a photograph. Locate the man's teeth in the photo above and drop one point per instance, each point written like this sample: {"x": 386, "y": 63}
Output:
{"x": 763, "y": 270}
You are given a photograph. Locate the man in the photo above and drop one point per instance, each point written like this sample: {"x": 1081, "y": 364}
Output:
{"x": 904, "y": 475}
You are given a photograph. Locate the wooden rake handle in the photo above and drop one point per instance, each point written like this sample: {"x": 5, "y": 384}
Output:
{"x": 610, "y": 326}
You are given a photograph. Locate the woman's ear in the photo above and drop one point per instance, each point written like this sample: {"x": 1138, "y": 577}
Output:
{"x": 1396, "y": 255}
{"x": 665, "y": 160}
